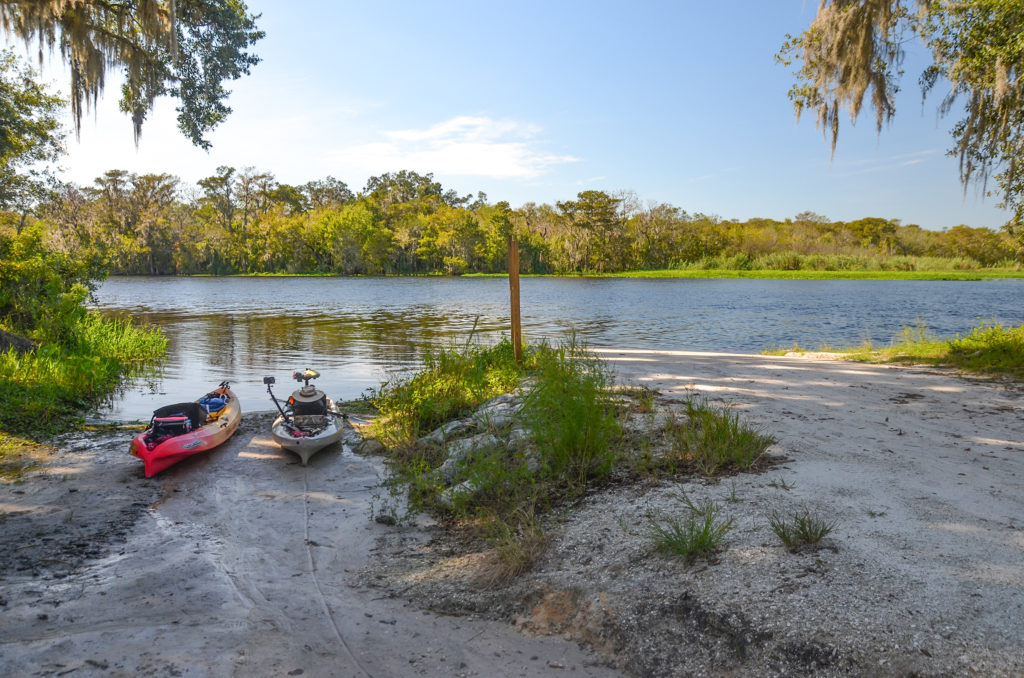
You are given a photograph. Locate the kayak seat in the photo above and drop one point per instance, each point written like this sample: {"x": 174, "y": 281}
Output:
{"x": 194, "y": 412}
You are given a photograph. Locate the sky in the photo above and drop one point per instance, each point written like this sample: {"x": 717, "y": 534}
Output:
{"x": 678, "y": 101}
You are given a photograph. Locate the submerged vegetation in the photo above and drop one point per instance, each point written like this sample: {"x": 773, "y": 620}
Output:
{"x": 568, "y": 435}
{"x": 986, "y": 349}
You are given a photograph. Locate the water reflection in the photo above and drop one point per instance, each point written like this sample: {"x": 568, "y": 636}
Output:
{"x": 356, "y": 331}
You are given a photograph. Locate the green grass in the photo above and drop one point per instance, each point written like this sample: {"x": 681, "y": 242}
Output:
{"x": 987, "y": 349}
{"x": 699, "y": 532}
{"x": 571, "y": 416}
{"x": 978, "y": 274}
{"x": 712, "y": 438}
{"x": 45, "y": 391}
{"x": 452, "y": 383}
{"x": 800, "y": 529}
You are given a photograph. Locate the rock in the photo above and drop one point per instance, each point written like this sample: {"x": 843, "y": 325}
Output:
{"x": 351, "y": 438}
{"x": 518, "y": 437}
{"x": 458, "y": 450}
{"x": 19, "y": 343}
{"x": 370, "y": 447}
{"x": 446, "y": 432}
{"x": 498, "y": 413}
{"x": 448, "y": 496}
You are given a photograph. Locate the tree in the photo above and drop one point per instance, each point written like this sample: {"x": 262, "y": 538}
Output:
{"x": 854, "y": 48}
{"x": 594, "y": 232}
{"x": 325, "y": 192}
{"x": 185, "y": 49}
{"x": 30, "y": 133}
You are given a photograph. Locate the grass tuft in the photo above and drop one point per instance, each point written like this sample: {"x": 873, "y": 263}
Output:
{"x": 699, "y": 533}
{"x": 802, "y": 528}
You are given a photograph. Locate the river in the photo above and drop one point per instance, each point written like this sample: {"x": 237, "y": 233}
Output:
{"x": 360, "y": 332}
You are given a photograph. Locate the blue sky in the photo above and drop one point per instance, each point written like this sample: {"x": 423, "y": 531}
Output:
{"x": 679, "y": 102}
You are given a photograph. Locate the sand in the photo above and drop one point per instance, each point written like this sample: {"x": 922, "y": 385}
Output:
{"x": 243, "y": 562}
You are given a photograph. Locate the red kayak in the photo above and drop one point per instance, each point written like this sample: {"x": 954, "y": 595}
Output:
{"x": 181, "y": 430}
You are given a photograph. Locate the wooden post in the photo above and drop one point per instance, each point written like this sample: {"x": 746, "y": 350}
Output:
{"x": 513, "y": 288}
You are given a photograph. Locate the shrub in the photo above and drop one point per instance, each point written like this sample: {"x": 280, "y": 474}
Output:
{"x": 570, "y": 415}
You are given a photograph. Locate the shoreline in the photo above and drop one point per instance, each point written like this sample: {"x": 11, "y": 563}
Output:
{"x": 222, "y": 563}
{"x": 681, "y": 274}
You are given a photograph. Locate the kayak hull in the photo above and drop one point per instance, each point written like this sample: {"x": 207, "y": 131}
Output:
{"x": 305, "y": 446}
{"x": 202, "y": 439}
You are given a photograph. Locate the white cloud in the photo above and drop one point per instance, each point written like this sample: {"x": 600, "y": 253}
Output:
{"x": 464, "y": 146}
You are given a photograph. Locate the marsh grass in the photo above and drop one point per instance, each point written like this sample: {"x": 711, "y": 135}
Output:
{"x": 800, "y": 529}
{"x": 713, "y": 438}
{"x": 45, "y": 390}
{"x": 699, "y": 532}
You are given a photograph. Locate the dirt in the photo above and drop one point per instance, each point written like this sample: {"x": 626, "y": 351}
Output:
{"x": 243, "y": 562}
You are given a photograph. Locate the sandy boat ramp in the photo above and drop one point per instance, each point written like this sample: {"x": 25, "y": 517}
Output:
{"x": 243, "y": 562}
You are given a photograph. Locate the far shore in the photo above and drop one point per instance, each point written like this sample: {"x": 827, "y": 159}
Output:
{"x": 971, "y": 274}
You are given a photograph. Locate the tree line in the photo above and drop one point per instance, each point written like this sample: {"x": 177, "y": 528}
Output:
{"x": 245, "y": 221}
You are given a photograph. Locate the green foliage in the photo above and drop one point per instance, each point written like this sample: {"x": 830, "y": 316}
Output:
{"x": 712, "y": 438}
{"x": 30, "y": 133}
{"x": 41, "y": 291}
{"x": 82, "y": 356}
{"x": 185, "y": 49}
{"x": 44, "y": 391}
{"x": 993, "y": 349}
{"x": 404, "y": 223}
{"x": 800, "y": 529}
{"x": 855, "y": 48}
{"x": 450, "y": 385}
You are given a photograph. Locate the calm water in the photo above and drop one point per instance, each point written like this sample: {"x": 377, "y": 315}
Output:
{"x": 358, "y": 331}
